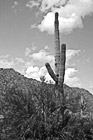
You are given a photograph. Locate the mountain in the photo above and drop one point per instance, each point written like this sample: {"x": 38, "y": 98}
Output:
{"x": 10, "y": 79}
{"x": 32, "y": 109}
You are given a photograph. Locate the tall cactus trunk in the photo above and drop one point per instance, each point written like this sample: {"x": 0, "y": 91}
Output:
{"x": 57, "y": 45}
{"x": 62, "y": 70}
{"x": 60, "y": 59}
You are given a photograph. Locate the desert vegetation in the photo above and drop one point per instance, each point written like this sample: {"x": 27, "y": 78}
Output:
{"x": 37, "y": 113}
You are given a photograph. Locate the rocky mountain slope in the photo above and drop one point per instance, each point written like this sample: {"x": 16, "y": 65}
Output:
{"x": 10, "y": 79}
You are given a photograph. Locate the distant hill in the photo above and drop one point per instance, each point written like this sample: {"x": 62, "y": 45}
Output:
{"x": 9, "y": 78}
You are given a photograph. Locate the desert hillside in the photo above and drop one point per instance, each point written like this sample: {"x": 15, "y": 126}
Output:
{"x": 10, "y": 79}
{"x": 33, "y": 110}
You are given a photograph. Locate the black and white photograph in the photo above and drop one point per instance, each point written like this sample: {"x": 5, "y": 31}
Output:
{"x": 46, "y": 69}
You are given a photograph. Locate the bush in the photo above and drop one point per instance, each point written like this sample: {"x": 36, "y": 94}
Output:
{"x": 39, "y": 115}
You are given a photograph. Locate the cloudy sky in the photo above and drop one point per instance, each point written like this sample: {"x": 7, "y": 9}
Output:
{"x": 27, "y": 38}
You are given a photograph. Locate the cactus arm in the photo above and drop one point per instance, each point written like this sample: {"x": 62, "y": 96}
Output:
{"x": 51, "y": 72}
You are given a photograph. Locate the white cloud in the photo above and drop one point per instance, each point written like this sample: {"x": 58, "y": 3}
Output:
{"x": 42, "y": 54}
{"x": 4, "y": 56}
{"x": 19, "y": 60}
{"x": 70, "y": 72}
{"x": 71, "y": 13}
{"x": 48, "y": 4}
{"x": 32, "y": 4}
{"x": 71, "y": 78}
{"x": 27, "y": 51}
{"x": 15, "y": 4}
{"x": 6, "y": 64}
{"x": 66, "y": 25}
{"x": 29, "y": 63}
{"x": 32, "y": 48}
{"x": 32, "y": 69}
{"x": 6, "y": 61}
{"x": 42, "y": 57}
{"x": 46, "y": 47}
{"x": 70, "y": 53}
{"x": 36, "y": 73}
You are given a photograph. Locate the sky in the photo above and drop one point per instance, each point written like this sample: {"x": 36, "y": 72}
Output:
{"x": 27, "y": 38}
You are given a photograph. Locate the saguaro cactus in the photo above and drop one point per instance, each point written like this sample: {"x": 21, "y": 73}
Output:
{"x": 60, "y": 57}
{"x": 57, "y": 45}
